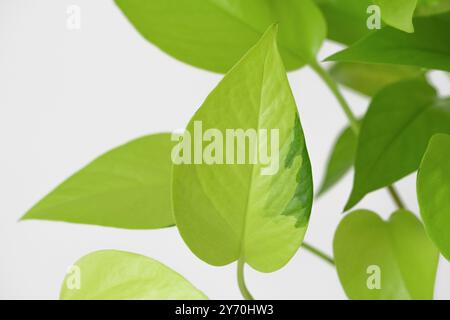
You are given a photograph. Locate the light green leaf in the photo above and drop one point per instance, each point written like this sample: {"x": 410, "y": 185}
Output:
{"x": 120, "y": 275}
{"x": 346, "y": 19}
{"x": 128, "y": 187}
{"x": 341, "y": 159}
{"x": 394, "y": 135}
{"x": 433, "y": 191}
{"x": 368, "y": 79}
{"x": 214, "y": 34}
{"x": 428, "y": 46}
{"x": 398, "y": 13}
{"x": 431, "y": 7}
{"x": 385, "y": 260}
{"x": 227, "y": 212}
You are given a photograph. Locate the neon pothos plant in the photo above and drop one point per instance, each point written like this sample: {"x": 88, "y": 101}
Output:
{"x": 232, "y": 213}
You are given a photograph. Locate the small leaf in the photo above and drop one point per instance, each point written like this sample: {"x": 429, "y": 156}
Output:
{"x": 128, "y": 187}
{"x": 368, "y": 79}
{"x": 398, "y": 13}
{"x": 214, "y": 34}
{"x": 378, "y": 260}
{"x": 227, "y": 212}
{"x": 432, "y": 7}
{"x": 394, "y": 135}
{"x": 120, "y": 275}
{"x": 346, "y": 19}
{"x": 341, "y": 159}
{"x": 433, "y": 192}
{"x": 428, "y": 46}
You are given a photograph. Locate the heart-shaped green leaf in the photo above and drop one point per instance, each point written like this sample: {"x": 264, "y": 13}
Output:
{"x": 428, "y": 46}
{"x": 385, "y": 260}
{"x": 128, "y": 187}
{"x": 433, "y": 191}
{"x": 341, "y": 159}
{"x": 227, "y": 212}
{"x": 346, "y": 19}
{"x": 214, "y": 34}
{"x": 394, "y": 135}
{"x": 398, "y": 13}
{"x": 367, "y": 78}
{"x": 120, "y": 275}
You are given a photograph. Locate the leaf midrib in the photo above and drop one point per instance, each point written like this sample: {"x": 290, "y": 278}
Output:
{"x": 250, "y": 188}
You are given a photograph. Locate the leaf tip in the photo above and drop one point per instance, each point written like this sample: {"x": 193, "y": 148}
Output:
{"x": 350, "y": 203}
{"x": 332, "y": 57}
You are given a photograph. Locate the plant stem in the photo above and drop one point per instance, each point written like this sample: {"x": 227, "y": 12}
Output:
{"x": 395, "y": 196}
{"x": 241, "y": 264}
{"x": 241, "y": 281}
{"x": 340, "y": 98}
{"x": 351, "y": 118}
{"x": 318, "y": 253}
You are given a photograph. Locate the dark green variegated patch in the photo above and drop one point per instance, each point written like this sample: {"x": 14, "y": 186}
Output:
{"x": 301, "y": 203}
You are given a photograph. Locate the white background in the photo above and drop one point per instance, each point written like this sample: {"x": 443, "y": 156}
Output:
{"x": 68, "y": 96}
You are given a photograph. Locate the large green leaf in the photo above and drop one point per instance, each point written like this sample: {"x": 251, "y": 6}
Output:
{"x": 341, "y": 159}
{"x": 398, "y": 13}
{"x": 431, "y": 7}
{"x": 214, "y": 34}
{"x": 368, "y": 79}
{"x": 433, "y": 191}
{"x": 227, "y": 212}
{"x": 120, "y": 275}
{"x": 396, "y": 252}
{"x": 394, "y": 135}
{"x": 346, "y": 19}
{"x": 428, "y": 46}
{"x": 128, "y": 187}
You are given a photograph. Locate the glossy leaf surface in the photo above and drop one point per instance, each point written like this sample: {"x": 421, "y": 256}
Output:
{"x": 127, "y": 187}
{"x": 227, "y": 212}
{"x": 120, "y": 275}
{"x": 398, "y": 13}
{"x": 346, "y": 19}
{"x": 433, "y": 191}
{"x": 214, "y": 34}
{"x": 427, "y": 47}
{"x": 341, "y": 159}
{"x": 394, "y": 135}
{"x": 385, "y": 260}
{"x": 367, "y": 78}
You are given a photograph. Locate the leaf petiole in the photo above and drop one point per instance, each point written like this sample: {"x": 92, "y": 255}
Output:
{"x": 395, "y": 196}
{"x": 241, "y": 280}
{"x": 323, "y": 74}
{"x": 318, "y": 253}
{"x": 241, "y": 264}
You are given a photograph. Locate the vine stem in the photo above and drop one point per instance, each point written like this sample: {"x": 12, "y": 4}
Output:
{"x": 318, "y": 253}
{"x": 323, "y": 74}
{"x": 241, "y": 264}
{"x": 394, "y": 194}
{"x": 340, "y": 98}
{"x": 241, "y": 280}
